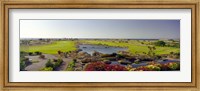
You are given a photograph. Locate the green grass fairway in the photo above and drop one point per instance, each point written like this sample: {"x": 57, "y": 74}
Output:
{"x": 64, "y": 46}
{"x": 134, "y": 46}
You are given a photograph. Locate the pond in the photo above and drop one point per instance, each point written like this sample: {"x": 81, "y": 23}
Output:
{"x": 100, "y": 48}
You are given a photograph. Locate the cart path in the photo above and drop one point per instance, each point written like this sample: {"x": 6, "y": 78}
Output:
{"x": 41, "y": 64}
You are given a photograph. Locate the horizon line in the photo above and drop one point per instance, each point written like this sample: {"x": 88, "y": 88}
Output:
{"x": 99, "y": 38}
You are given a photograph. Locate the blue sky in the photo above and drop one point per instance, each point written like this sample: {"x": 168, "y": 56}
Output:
{"x": 102, "y": 28}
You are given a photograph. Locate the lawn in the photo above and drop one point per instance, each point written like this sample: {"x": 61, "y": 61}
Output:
{"x": 64, "y": 46}
{"x": 134, "y": 46}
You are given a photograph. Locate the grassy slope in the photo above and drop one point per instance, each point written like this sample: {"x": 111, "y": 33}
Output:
{"x": 51, "y": 48}
{"x": 135, "y": 46}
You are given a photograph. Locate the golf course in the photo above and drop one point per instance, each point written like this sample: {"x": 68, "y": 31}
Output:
{"x": 99, "y": 55}
{"x": 133, "y": 46}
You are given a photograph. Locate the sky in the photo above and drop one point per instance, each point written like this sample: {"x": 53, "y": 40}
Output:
{"x": 100, "y": 28}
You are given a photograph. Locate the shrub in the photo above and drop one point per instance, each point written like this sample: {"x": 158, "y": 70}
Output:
{"x": 160, "y": 43}
{"x": 74, "y": 60}
{"x": 30, "y": 53}
{"x": 154, "y": 63}
{"x": 59, "y": 52}
{"x": 49, "y": 64}
{"x": 56, "y": 65}
{"x": 47, "y": 69}
{"x": 177, "y": 55}
{"x": 164, "y": 67}
{"x": 22, "y": 52}
{"x": 129, "y": 67}
{"x": 113, "y": 54}
{"x": 173, "y": 65}
{"x": 42, "y": 56}
{"x": 119, "y": 56}
{"x": 158, "y": 57}
{"x": 70, "y": 66}
{"x": 55, "y": 60}
{"x": 38, "y": 53}
{"x": 137, "y": 62}
{"x": 22, "y": 65}
{"x": 148, "y": 68}
{"x": 153, "y": 68}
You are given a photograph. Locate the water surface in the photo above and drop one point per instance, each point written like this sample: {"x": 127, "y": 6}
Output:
{"x": 100, "y": 48}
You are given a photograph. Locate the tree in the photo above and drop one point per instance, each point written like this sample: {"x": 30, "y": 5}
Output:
{"x": 22, "y": 65}
{"x": 160, "y": 43}
{"x": 151, "y": 50}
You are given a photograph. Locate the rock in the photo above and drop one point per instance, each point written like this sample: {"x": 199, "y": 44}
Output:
{"x": 137, "y": 61}
{"x": 79, "y": 50}
{"x": 95, "y": 53}
{"x": 123, "y": 52}
{"x": 125, "y": 62}
{"x": 77, "y": 69}
{"x": 131, "y": 59}
{"x": 94, "y": 59}
{"x": 145, "y": 59}
{"x": 109, "y": 55}
{"x": 165, "y": 59}
{"x": 111, "y": 58}
{"x": 81, "y": 53}
{"x": 107, "y": 62}
{"x": 86, "y": 60}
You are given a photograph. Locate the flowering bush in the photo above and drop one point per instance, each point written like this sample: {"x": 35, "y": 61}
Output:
{"x": 148, "y": 68}
{"x": 71, "y": 66}
{"x": 165, "y": 67}
{"x": 153, "y": 66}
{"x": 173, "y": 65}
{"x": 142, "y": 68}
{"x": 101, "y": 66}
{"x": 130, "y": 68}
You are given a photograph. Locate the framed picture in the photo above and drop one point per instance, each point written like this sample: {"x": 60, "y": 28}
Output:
{"x": 95, "y": 45}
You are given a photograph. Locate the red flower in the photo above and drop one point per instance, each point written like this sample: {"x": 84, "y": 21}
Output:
{"x": 101, "y": 66}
